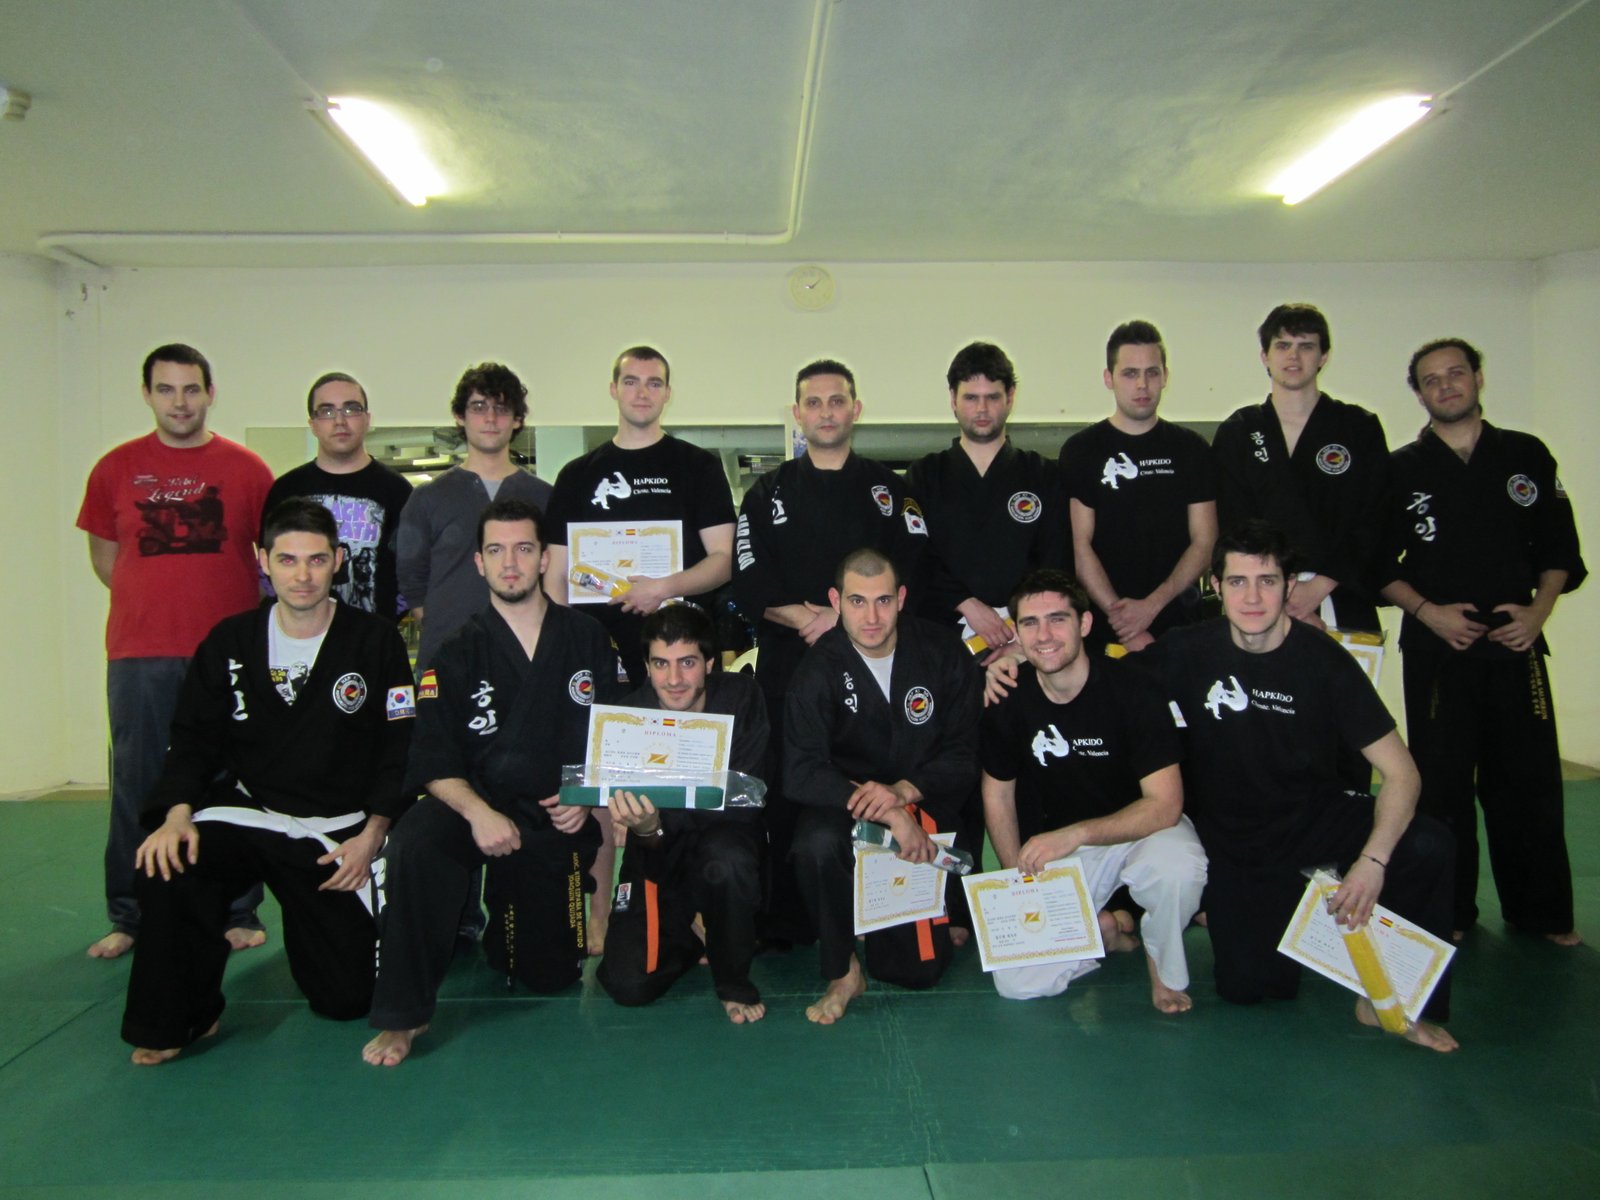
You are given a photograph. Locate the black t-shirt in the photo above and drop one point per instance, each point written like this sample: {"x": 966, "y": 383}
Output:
{"x": 1076, "y": 761}
{"x": 1140, "y": 488}
{"x": 672, "y": 480}
{"x": 1264, "y": 732}
{"x": 366, "y": 504}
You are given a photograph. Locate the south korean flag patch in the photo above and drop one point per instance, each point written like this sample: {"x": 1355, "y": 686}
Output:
{"x": 401, "y": 703}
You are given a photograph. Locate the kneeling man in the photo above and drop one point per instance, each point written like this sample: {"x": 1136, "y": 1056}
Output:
{"x": 881, "y": 723}
{"x": 1082, "y": 758}
{"x": 680, "y": 862}
{"x": 284, "y": 767}
{"x": 503, "y": 707}
{"x": 1271, "y": 705}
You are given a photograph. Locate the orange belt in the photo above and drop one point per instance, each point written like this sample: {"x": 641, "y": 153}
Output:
{"x": 925, "y": 928}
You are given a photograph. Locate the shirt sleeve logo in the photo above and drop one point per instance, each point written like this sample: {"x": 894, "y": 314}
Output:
{"x": 916, "y": 524}
{"x": 1333, "y": 459}
{"x": 1522, "y": 489}
{"x": 581, "y": 687}
{"x": 883, "y": 498}
{"x": 401, "y": 703}
{"x": 919, "y": 705}
{"x": 1024, "y": 507}
{"x": 350, "y": 692}
{"x": 428, "y": 687}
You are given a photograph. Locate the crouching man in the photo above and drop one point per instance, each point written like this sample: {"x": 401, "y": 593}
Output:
{"x": 503, "y": 707}
{"x": 285, "y": 766}
{"x": 881, "y": 723}
{"x": 681, "y": 862}
{"x": 1082, "y": 758}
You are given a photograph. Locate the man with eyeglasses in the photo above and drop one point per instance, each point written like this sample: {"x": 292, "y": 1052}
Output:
{"x": 438, "y": 529}
{"x": 364, "y": 496}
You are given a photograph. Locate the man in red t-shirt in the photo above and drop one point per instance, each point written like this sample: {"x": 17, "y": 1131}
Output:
{"x": 172, "y": 519}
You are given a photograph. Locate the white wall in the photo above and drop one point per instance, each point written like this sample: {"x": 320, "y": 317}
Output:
{"x": 1564, "y": 409}
{"x": 735, "y": 342}
{"x": 33, "y": 706}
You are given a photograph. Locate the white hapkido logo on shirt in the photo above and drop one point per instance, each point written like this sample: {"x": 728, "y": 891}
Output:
{"x": 884, "y": 499}
{"x": 1053, "y": 744}
{"x": 1333, "y": 459}
{"x": 581, "y": 687}
{"x": 1222, "y": 696}
{"x": 1522, "y": 489}
{"x": 850, "y": 701}
{"x": 919, "y": 705}
{"x": 1024, "y": 507}
{"x": 350, "y": 692}
{"x": 1117, "y": 470}
{"x": 779, "y": 517}
{"x": 484, "y": 723}
{"x": 615, "y": 486}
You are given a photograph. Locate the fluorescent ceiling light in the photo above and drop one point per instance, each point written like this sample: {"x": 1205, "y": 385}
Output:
{"x": 1353, "y": 141}
{"x": 389, "y": 145}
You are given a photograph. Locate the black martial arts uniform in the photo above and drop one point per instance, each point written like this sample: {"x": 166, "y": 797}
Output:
{"x": 1481, "y": 532}
{"x": 986, "y": 532}
{"x": 275, "y": 786}
{"x": 1139, "y": 488}
{"x": 841, "y": 732}
{"x": 795, "y": 526}
{"x": 506, "y": 725}
{"x": 1327, "y": 496}
{"x": 702, "y": 862}
{"x": 672, "y": 480}
{"x": 1264, "y": 734}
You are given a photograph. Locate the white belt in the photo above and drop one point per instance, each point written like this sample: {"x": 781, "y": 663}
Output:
{"x": 315, "y": 828}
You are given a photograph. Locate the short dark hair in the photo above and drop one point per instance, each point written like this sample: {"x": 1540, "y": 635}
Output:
{"x": 333, "y": 377}
{"x": 1254, "y": 538}
{"x": 865, "y": 561}
{"x": 1050, "y": 579}
{"x": 1134, "y": 333}
{"x": 644, "y": 354}
{"x": 177, "y": 352}
{"x": 672, "y": 623}
{"x": 298, "y": 514}
{"x": 981, "y": 358}
{"x": 492, "y": 381}
{"x": 512, "y": 509}
{"x": 824, "y": 366}
{"x": 1474, "y": 356}
{"x": 1295, "y": 318}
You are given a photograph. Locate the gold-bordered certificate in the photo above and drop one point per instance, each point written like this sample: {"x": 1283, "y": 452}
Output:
{"x": 889, "y": 891}
{"x": 643, "y": 746}
{"x": 613, "y": 550}
{"x": 1413, "y": 958}
{"x": 1033, "y": 920}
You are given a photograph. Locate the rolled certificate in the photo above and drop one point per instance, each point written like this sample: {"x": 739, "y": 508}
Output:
{"x": 870, "y": 833}
{"x": 601, "y": 583}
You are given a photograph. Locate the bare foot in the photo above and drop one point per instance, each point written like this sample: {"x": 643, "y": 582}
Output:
{"x": 1421, "y": 1033}
{"x": 246, "y": 939}
{"x": 594, "y": 933}
{"x": 114, "y": 945}
{"x": 390, "y": 1048}
{"x": 743, "y": 1014}
{"x": 959, "y": 936}
{"x": 838, "y": 996}
{"x": 1570, "y": 938}
{"x": 154, "y": 1058}
{"x": 1167, "y": 1000}
{"x": 1116, "y": 931}
{"x": 698, "y": 928}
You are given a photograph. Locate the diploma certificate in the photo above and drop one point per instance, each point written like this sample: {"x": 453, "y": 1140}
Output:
{"x": 890, "y": 891}
{"x": 1413, "y": 958}
{"x": 637, "y": 747}
{"x": 602, "y": 552}
{"x": 1027, "y": 921}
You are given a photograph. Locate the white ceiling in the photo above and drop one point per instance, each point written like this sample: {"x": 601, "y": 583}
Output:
{"x": 178, "y": 132}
